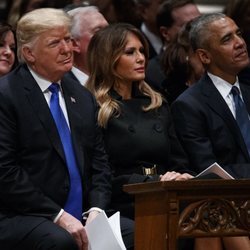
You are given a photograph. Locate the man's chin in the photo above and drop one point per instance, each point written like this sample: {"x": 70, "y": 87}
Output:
{"x": 67, "y": 67}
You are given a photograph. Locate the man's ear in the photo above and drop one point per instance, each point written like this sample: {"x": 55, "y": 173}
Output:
{"x": 204, "y": 56}
{"x": 165, "y": 33}
{"x": 28, "y": 54}
{"x": 76, "y": 45}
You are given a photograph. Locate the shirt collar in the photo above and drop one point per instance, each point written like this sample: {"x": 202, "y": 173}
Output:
{"x": 155, "y": 41}
{"x": 42, "y": 83}
{"x": 223, "y": 86}
{"x": 80, "y": 75}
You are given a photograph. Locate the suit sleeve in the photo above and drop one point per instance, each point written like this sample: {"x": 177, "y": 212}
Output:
{"x": 178, "y": 158}
{"x": 17, "y": 192}
{"x": 191, "y": 130}
{"x": 100, "y": 191}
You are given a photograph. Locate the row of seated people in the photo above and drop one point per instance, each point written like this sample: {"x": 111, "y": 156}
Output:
{"x": 136, "y": 121}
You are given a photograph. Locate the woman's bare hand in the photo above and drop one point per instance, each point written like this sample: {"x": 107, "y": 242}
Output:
{"x": 172, "y": 175}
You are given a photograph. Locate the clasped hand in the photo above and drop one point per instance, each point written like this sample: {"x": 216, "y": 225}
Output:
{"x": 172, "y": 175}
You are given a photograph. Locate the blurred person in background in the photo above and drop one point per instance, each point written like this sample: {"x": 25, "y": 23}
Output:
{"x": 86, "y": 21}
{"x": 239, "y": 11}
{"x": 171, "y": 16}
{"x": 8, "y": 59}
{"x": 147, "y": 9}
{"x": 181, "y": 65}
{"x": 20, "y": 7}
{"x": 118, "y": 11}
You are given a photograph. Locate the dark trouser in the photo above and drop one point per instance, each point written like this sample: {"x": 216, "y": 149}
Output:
{"x": 36, "y": 233}
{"x": 33, "y": 233}
{"x": 127, "y": 229}
{"x": 48, "y": 236}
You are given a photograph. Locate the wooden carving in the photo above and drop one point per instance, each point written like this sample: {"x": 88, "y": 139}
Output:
{"x": 215, "y": 216}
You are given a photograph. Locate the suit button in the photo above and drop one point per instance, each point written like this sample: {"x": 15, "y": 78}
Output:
{"x": 66, "y": 188}
{"x": 131, "y": 129}
{"x": 158, "y": 127}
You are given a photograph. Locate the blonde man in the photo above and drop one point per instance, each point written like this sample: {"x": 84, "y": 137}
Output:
{"x": 40, "y": 173}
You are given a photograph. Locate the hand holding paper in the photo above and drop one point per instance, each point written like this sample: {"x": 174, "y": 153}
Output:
{"x": 105, "y": 233}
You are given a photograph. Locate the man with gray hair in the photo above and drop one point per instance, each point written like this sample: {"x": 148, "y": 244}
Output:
{"x": 53, "y": 165}
{"x": 212, "y": 117}
{"x": 86, "y": 21}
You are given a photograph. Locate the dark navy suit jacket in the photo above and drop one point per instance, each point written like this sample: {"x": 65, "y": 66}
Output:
{"x": 34, "y": 179}
{"x": 208, "y": 131}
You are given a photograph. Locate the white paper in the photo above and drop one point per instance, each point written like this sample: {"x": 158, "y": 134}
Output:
{"x": 105, "y": 233}
{"x": 217, "y": 169}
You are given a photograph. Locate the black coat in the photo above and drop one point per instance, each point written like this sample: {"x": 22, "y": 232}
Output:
{"x": 136, "y": 139}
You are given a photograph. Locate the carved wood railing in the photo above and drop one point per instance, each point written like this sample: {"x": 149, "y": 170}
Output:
{"x": 166, "y": 211}
{"x": 215, "y": 216}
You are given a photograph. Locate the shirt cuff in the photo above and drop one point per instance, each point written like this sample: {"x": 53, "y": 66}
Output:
{"x": 58, "y": 216}
{"x": 97, "y": 209}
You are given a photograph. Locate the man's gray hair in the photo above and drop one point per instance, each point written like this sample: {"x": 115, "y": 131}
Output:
{"x": 78, "y": 16}
{"x": 35, "y": 22}
{"x": 200, "y": 30}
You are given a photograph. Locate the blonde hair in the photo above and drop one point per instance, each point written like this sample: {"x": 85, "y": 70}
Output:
{"x": 35, "y": 22}
{"x": 104, "y": 51}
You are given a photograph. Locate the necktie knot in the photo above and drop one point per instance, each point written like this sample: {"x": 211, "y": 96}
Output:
{"x": 54, "y": 88}
{"x": 235, "y": 91}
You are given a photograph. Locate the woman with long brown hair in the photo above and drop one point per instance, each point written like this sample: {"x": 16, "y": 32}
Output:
{"x": 138, "y": 131}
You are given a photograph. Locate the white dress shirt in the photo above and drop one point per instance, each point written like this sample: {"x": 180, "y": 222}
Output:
{"x": 155, "y": 40}
{"x": 80, "y": 75}
{"x": 224, "y": 88}
{"x": 44, "y": 85}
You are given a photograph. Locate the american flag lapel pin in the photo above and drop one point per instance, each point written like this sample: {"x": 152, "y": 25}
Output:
{"x": 73, "y": 99}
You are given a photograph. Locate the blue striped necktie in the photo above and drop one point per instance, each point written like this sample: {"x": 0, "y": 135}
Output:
{"x": 74, "y": 200}
{"x": 242, "y": 116}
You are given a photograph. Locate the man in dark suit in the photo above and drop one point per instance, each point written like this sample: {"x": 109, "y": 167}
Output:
{"x": 209, "y": 116}
{"x": 35, "y": 179}
{"x": 205, "y": 115}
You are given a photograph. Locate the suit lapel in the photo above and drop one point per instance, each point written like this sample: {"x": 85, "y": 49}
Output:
{"x": 71, "y": 75}
{"x": 75, "y": 120}
{"x": 245, "y": 90}
{"x": 41, "y": 109}
{"x": 216, "y": 102}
